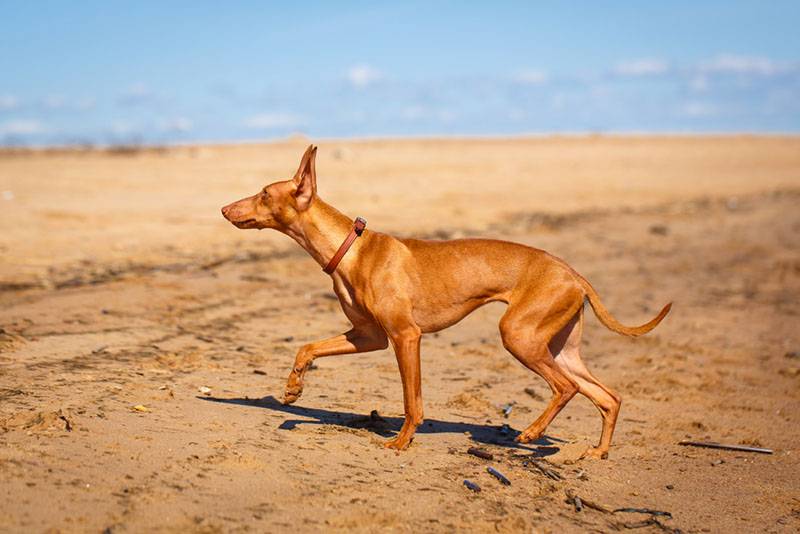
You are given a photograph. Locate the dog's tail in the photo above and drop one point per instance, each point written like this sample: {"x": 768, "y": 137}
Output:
{"x": 611, "y": 323}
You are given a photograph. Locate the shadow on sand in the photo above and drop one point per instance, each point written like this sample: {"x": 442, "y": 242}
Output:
{"x": 502, "y": 436}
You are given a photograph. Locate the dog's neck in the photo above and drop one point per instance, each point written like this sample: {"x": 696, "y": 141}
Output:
{"x": 320, "y": 230}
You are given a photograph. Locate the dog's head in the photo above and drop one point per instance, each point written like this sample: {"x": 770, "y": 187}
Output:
{"x": 277, "y": 205}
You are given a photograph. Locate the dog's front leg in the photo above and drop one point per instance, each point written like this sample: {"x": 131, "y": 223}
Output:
{"x": 406, "y": 348}
{"x": 359, "y": 339}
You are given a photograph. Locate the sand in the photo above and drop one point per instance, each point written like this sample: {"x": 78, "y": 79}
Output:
{"x": 145, "y": 341}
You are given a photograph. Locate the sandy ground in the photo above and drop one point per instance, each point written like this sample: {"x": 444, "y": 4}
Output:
{"x": 122, "y": 286}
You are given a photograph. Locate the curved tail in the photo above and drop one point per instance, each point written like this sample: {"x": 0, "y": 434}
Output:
{"x": 611, "y": 323}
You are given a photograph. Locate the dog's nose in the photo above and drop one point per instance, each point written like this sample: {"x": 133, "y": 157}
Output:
{"x": 224, "y": 211}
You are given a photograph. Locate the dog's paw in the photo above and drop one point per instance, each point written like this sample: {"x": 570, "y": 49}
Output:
{"x": 595, "y": 453}
{"x": 399, "y": 443}
{"x": 291, "y": 394}
{"x": 527, "y": 437}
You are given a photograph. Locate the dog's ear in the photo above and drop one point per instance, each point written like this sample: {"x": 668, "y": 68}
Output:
{"x": 305, "y": 179}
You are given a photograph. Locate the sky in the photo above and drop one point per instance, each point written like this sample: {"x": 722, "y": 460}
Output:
{"x": 150, "y": 72}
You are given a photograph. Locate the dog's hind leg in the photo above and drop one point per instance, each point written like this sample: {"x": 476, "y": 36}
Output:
{"x": 527, "y": 328}
{"x": 567, "y": 349}
{"x": 359, "y": 339}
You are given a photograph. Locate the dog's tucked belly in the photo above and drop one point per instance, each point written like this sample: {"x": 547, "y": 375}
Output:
{"x": 430, "y": 320}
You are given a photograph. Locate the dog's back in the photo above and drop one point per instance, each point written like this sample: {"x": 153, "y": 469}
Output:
{"x": 463, "y": 274}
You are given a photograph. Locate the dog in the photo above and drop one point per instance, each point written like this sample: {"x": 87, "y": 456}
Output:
{"x": 394, "y": 290}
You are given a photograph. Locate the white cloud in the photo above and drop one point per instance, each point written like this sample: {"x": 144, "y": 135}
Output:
{"x": 531, "y": 77}
{"x": 746, "y": 65}
{"x": 641, "y": 67}
{"x": 22, "y": 127}
{"x": 269, "y": 121}
{"x": 8, "y": 102}
{"x": 363, "y": 75}
{"x": 177, "y": 125}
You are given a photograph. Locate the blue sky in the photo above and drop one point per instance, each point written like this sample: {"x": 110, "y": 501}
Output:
{"x": 154, "y": 72}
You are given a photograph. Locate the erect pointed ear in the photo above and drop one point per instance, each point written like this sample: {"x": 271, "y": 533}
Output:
{"x": 306, "y": 179}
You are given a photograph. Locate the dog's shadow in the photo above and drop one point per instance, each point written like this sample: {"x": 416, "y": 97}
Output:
{"x": 388, "y": 426}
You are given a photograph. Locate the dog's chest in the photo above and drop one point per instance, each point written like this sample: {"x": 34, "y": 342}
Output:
{"x": 345, "y": 292}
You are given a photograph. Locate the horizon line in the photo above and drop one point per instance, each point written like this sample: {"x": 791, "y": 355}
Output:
{"x": 299, "y": 136}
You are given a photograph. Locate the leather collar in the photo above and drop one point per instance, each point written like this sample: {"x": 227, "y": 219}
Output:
{"x": 355, "y": 232}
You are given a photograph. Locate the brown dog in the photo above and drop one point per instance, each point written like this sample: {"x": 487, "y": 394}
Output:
{"x": 394, "y": 290}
